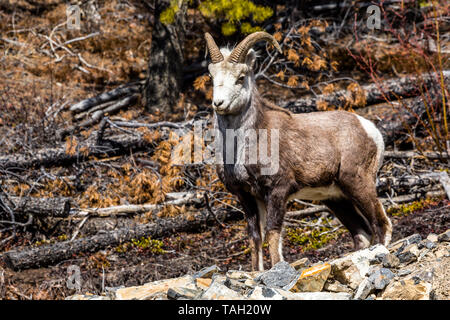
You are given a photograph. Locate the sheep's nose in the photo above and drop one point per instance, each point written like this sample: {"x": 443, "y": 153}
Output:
{"x": 218, "y": 103}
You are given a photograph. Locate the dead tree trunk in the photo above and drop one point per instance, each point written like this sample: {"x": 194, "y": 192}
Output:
{"x": 165, "y": 68}
{"x": 40, "y": 207}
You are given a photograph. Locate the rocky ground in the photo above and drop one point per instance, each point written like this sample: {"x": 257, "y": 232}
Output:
{"x": 412, "y": 268}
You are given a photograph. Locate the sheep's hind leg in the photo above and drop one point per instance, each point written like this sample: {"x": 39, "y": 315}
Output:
{"x": 352, "y": 220}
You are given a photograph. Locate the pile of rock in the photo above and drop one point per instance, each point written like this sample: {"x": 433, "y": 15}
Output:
{"x": 409, "y": 269}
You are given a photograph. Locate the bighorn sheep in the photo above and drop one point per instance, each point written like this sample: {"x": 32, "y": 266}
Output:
{"x": 328, "y": 156}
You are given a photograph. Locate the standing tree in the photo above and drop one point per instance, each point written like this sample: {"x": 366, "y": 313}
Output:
{"x": 165, "y": 68}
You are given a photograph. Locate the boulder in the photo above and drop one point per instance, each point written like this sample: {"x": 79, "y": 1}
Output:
{"x": 312, "y": 279}
{"x": 407, "y": 290}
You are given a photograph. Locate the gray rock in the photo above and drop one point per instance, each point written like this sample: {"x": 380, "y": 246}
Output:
{"x": 378, "y": 258}
{"x": 206, "y": 272}
{"x": 426, "y": 244}
{"x": 390, "y": 261}
{"x": 415, "y": 238}
{"x": 181, "y": 293}
{"x": 218, "y": 291}
{"x": 364, "y": 289}
{"x": 445, "y": 236}
{"x": 409, "y": 254}
{"x": 401, "y": 244}
{"x": 282, "y": 275}
{"x": 380, "y": 278}
{"x": 236, "y": 285}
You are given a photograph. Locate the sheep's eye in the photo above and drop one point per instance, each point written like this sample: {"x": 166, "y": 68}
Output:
{"x": 240, "y": 80}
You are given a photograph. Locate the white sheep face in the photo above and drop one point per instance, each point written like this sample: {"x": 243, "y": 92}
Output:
{"x": 232, "y": 83}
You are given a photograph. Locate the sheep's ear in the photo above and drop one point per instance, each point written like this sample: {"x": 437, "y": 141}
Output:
{"x": 250, "y": 59}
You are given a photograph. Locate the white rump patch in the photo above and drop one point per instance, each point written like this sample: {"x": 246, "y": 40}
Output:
{"x": 320, "y": 193}
{"x": 375, "y": 135}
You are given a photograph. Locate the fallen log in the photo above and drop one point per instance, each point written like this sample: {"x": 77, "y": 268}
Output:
{"x": 54, "y": 253}
{"x": 115, "y": 145}
{"x": 129, "y": 209}
{"x": 300, "y": 214}
{"x": 40, "y": 207}
{"x": 98, "y": 115}
{"x": 387, "y": 203}
{"x": 114, "y": 94}
{"x": 406, "y": 183}
{"x": 413, "y": 154}
{"x": 392, "y": 89}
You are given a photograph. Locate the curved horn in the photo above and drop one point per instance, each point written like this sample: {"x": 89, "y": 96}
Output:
{"x": 238, "y": 54}
{"x": 214, "y": 52}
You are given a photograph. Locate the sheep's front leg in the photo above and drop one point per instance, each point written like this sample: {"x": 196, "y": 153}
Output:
{"x": 276, "y": 208}
{"x": 254, "y": 229}
{"x": 256, "y": 241}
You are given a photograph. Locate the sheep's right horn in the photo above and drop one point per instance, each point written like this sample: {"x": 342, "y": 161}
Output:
{"x": 214, "y": 52}
{"x": 240, "y": 51}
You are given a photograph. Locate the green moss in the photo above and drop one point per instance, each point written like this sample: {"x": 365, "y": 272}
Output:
{"x": 406, "y": 209}
{"x": 143, "y": 244}
{"x": 59, "y": 238}
{"x": 152, "y": 245}
{"x": 317, "y": 238}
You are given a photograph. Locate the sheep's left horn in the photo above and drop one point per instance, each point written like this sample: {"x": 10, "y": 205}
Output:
{"x": 214, "y": 52}
{"x": 240, "y": 51}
